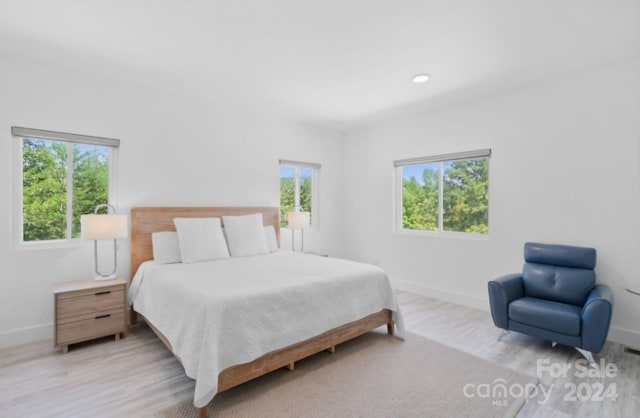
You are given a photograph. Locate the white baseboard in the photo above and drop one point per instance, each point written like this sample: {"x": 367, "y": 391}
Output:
{"x": 627, "y": 337}
{"x": 445, "y": 295}
{"x": 624, "y": 336}
{"x": 26, "y": 335}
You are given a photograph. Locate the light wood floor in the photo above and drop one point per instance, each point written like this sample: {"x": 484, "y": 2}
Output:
{"x": 137, "y": 376}
{"x": 472, "y": 331}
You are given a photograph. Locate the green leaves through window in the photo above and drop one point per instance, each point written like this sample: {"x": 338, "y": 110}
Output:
{"x": 298, "y": 189}
{"x": 447, "y": 193}
{"x": 61, "y": 178}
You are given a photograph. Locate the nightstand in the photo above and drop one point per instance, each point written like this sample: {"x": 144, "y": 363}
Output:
{"x": 88, "y": 309}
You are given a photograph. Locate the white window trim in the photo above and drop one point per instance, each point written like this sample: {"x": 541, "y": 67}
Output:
{"x": 315, "y": 181}
{"x": 440, "y": 233}
{"x": 17, "y": 220}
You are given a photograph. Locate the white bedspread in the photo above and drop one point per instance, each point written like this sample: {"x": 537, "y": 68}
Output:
{"x": 226, "y": 312}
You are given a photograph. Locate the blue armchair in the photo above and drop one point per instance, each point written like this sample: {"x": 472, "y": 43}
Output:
{"x": 555, "y": 297}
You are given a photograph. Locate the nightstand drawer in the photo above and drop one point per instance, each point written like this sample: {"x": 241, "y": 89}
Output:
{"x": 101, "y": 324}
{"x": 95, "y": 301}
{"x": 88, "y": 309}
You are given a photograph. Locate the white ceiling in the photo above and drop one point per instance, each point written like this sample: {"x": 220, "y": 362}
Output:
{"x": 329, "y": 61}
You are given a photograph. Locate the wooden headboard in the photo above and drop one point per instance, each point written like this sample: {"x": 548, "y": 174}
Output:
{"x": 145, "y": 221}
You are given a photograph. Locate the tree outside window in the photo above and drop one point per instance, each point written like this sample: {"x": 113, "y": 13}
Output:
{"x": 296, "y": 189}
{"x": 447, "y": 195}
{"x": 60, "y": 181}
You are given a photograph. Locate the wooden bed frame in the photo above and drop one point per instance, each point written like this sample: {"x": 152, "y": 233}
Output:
{"x": 146, "y": 220}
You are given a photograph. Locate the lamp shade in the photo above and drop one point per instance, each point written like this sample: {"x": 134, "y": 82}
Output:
{"x": 298, "y": 220}
{"x": 103, "y": 226}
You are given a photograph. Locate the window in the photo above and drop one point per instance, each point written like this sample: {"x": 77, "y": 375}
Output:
{"x": 444, "y": 193}
{"x": 57, "y": 178}
{"x": 298, "y": 189}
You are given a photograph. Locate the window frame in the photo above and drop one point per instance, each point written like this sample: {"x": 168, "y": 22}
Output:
{"x": 315, "y": 174}
{"x": 441, "y": 160}
{"x": 18, "y": 135}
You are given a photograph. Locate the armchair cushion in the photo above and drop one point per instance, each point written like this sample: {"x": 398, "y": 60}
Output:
{"x": 546, "y": 314}
{"x": 561, "y": 284}
{"x": 560, "y": 273}
{"x": 560, "y": 255}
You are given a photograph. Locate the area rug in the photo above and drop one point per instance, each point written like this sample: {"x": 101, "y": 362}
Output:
{"x": 376, "y": 375}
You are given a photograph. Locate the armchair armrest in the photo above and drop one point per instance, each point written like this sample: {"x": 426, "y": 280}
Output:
{"x": 596, "y": 317}
{"x": 503, "y": 291}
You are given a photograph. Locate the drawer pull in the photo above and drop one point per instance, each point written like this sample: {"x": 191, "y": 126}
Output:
{"x": 103, "y": 316}
{"x": 103, "y": 293}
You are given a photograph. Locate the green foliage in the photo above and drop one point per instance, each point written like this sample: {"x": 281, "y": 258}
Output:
{"x": 44, "y": 190}
{"x": 90, "y": 183}
{"x": 305, "y": 194}
{"x": 420, "y": 202}
{"x": 44, "y": 187}
{"x": 465, "y": 198}
{"x": 288, "y": 196}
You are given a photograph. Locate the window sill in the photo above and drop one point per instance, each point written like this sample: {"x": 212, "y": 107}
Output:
{"x": 53, "y": 244}
{"x": 443, "y": 234}
{"x": 312, "y": 228}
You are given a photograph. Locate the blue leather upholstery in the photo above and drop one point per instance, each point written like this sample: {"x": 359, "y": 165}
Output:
{"x": 546, "y": 314}
{"x": 555, "y": 297}
{"x": 503, "y": 291}
{"x": 560, "y": 255}
{"x": 596, "y": 317}
{"x": 559, "y": 272}
{"x": 562, "y": 284}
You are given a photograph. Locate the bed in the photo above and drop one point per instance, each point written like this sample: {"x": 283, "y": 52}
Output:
{"x": 229, "y": 321}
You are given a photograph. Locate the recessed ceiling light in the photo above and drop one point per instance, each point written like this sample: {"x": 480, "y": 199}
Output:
{"x": 420, "y": 78}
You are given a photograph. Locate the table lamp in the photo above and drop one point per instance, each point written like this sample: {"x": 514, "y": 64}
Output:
{"x": 100, "y": 227}
{"x": 298, "y": 220}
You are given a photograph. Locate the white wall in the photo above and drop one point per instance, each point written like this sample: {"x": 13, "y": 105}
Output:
{"x": 175, "y": 150}
{"x": 565, "y": 168}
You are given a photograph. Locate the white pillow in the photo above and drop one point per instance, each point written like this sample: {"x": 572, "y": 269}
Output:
{"x": 245, "y": 235}
{"x": 272, "y": 241}
{"x": 200, "y": 239}
{"x": 166, "y": 249}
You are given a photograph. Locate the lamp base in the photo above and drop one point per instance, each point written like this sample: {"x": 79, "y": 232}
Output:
{"x": 103, "y": 278}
